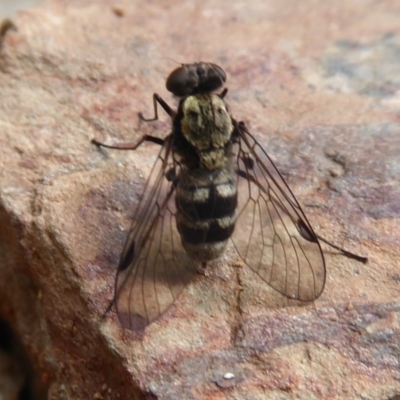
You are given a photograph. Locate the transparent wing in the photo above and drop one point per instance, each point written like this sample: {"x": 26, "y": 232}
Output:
{"x": 154, "y": 268}
{"x": 272, "y": 234}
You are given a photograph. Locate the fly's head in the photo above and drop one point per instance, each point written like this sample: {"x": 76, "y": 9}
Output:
{"x": 195, "y": 78}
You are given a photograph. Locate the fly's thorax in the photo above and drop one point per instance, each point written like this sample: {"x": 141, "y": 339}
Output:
{"x": 206, "y": 211}
{"x": 207, "y": 126}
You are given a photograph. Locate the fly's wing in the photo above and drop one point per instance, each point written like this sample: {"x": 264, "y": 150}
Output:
{"x": 272, "y": 234}
{"x": 154, "y": 268}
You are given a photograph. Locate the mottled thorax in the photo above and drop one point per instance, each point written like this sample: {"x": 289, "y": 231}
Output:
{"x": 207, "y": 126}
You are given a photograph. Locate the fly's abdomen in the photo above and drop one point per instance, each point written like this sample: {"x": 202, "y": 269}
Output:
{"x": 206, "y": 205}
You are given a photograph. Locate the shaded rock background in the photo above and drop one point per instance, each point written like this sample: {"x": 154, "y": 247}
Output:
{"x": 317, "y": 83}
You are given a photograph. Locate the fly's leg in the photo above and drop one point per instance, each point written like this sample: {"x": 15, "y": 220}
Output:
{"x": 130, "y": 145}
{"x": 144, "y": 138}
{"x": 223, "y": 93}
{"x": 163, "y": 104}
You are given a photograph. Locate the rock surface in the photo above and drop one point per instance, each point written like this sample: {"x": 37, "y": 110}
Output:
{"x": 317, "y": 82}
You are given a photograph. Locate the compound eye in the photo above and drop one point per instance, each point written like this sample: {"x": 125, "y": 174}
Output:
{"x": 219, "y": 72}
{"x": 180, "y": 82}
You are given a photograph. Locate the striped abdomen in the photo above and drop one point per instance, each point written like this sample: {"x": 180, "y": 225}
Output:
{"x": 206, "y": 204}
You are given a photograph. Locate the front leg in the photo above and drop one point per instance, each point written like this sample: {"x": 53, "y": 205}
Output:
{"x": 144, "y": 138}
{"x": 163, "y": 104}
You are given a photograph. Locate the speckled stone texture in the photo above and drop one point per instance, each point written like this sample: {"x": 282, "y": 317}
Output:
{"x": 318, "y": 83}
